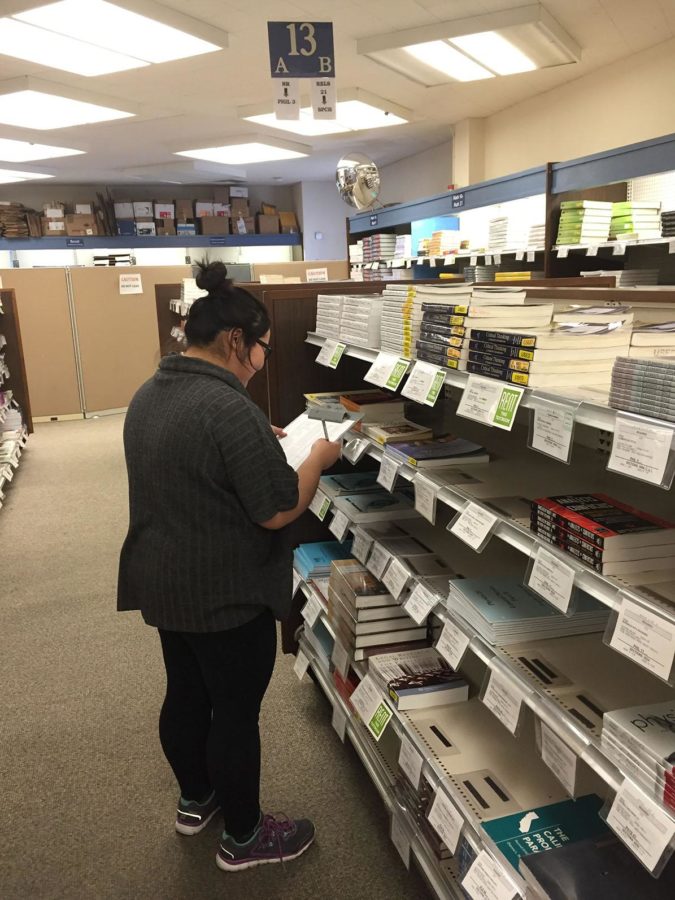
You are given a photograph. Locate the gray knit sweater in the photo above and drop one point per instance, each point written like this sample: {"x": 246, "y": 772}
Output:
{"x": 204, "y": 468}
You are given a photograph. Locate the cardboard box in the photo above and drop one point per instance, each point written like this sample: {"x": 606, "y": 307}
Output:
{"x": 165, "y": 211}
{"x": 268, "y": 209}
{"x": 52, "y": 227}
{"x": 146, "y": 229}
{"x": 53, "y": 211}
{"x": 81, "y": 226}
{"x": 186, "y": 228}
{"x": 242, "y": 225}
{"x": 222, "y": 209}
{"x": 289, "y": 223}
{"x": 84, "y": 209}
{"x": 165, "y": 227}
{"x": 203, "y": 208}
{"x": 215, "y": 225}
{"x": 239, "y": 206}
{"x": 184, "y": 209}
{"x": 221, "y": 194}
{"x": 126, "y": 227}
{"x": 124, "y": 210}
{"x": 238, "y": 190}
{"x": 268, "y": 224}
{"x": 143, "y": 209}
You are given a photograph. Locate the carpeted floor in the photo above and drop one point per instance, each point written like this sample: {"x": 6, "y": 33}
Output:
{"x": 87, "y": 798}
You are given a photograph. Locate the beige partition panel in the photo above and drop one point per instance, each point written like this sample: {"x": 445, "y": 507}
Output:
{"x": 47, "y": 337}
{"x": 117, "y": 333}
{"x": 338, "y": 269}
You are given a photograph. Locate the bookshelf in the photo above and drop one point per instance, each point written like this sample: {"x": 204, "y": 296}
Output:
{"x": 13, "y": 391}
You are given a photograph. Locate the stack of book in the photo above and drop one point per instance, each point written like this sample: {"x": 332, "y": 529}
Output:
{"x": 506, "y": 232}
{"x": 645, "y": 386}
{"x": 395, "y": 334}
{"x": 378, "y": 246}
{"x": 479, "y": 274}
{"x": 328, "y": 314}
{"x": 439, "y": 452}
{"x": 502, "y": 611}
{"x": 537, "y": 236}
{"x": 594, "y": 315}
{"x": 376, "y": 506}
{"x": 444, "y": 242}
{"x": 656, "y": 339}
{"x": 118, "y": 259}
{"x": 373, "y": 405}
{"x": 584, "y": 222}
{"x": 13, "y": 220}
{"x": 314, "y": 560}
{"x": 526, "y": 275}
{"x": 640, "y": 740}
{"x": 364, "y": 614}
{"x": 635, "y": 220}
{"x": 403, "y": 246}
{"x": 626, "y": 277}
{"x": 404, "y": 307}
{"x": 360, "y": 320}
{"x": 668, "y": 223}
{"x": 349, "y": 483}
{"x": 387, "y": 432}
{"x": 356, "y": 253}
{"x": 606, "y": 534}
{"x": 418, "y": 679}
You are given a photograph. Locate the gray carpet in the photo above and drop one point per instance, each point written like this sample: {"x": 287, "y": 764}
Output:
{"x": 88, "y": 799}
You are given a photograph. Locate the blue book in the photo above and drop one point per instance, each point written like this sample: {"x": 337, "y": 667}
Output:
{"x": 500, "y": 600}
{"x": 441, "y": 451}
{"x": 349, "y": 483}
{"x": 547, "y": 827}
{"x": 375, "y": 505}
{"x": 315, "y": 559}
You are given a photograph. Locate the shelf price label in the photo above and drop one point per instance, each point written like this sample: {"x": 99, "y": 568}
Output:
{"x": 389, "y": 469}
{"x": 339, "y": 722}
{"x": 378, "y": 560}
{"x": 552, "y": 428}
{"x": 301, "y": 665}
{"x": 396, "y": 577}
{"x": 311, "y": 611}
{"x": 420, "y": 603}
{"x": 410, "y": 762}
{"x": 490, "y": 402}
{"x": 361, "y": 545}
{"x": 453, "y": 644}
{"x": 559, "y": 758}
{"x": 474, "y": 525}
{"x": 354, "y": 449}
{"x": 297, "y": 581}
{"x": 320, "y": 505}
{"x": 487, "y": 880}
{"x": 331, "y": 354}
{"x": 426, "y": 497}
{"x": 645, "y": 637}
{"x": 503, "y": 699}
{"x": 446, "y": 820}
{"x": 340, "y": 525}
{"x": 530, "y": 255}
{"x": 341, "y": 658}
{"x": 387, "y": 371}
{"x": 400, "y": 840}
{"x": 372, "y": 707}
{"x": 424, "y": 384}
{"x": 642, "y": 826}
{"x": 641, "y": 450}
{"x": 552, "y": 579}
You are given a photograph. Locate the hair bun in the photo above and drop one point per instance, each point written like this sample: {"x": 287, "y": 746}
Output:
{"x": 212, "y": 277}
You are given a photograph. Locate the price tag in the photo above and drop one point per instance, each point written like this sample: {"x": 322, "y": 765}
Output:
{"x": 340, "y": 525}
{"x": 396, "y": 577}
{"x": 320, "y": 505}
{"x": 377, "y": 561}
{"x": 592, "y": 251}
{"x": 530, "y": 255}
{"x": 387, "y": 370}
{"x": 446, "y": 820}
{"x": 559, "y": 758}
{"x": 453, "y": 644}
{"x": 487, "y": 880}
{"x": 339, "y": 722}
{"x": 311, "y": 611}
{"x": 552, "y": 579}
{"x": 671, "y": 246}
{"x": 420, "y": 603}
{"x": 520, "y": 255}
{"x": 399, "y": 838}
{"x": 354, "y": 449}
{"x": 497, "y": 259}
{"x": 474, "y": 526}
{"x": 490, "y": 402}
{"x": 331, "y": 354}
{"x": 410, "y": 762}
{"x": 488, "y": 259}
{"x": 341, "y": 658}
{"x": 563, "y": 252}
{"x": 618, "y": 249}
{"x": 371, "y": 706}
{"x": 424, "y": 383}
{"x": 643, "y": 827}
{"x": 504, "y": 700}
{"x": 450, "y": 260}
{"x": 640, "y": 450}
{"x": 389, "y": 469}
{"x": 473, "y": 261}
{"x": 426, "y": 497}
{"x": 297, "y": 581}
{"x": 644, "y": 637}
{"x": 301, "y": 665}
{"x": 553, "y": 429}
{"x": 361, "y": 545}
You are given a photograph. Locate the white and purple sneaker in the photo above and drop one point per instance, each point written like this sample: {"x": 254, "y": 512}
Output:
{"x": 193, "y": 817}
{"x": 276, "y": 839}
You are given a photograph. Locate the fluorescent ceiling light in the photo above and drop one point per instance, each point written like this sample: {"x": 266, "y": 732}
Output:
{"x": 440, "y": 55}
{"x": 495, "y": 51}
{"x": 9, "y": 176}
{"x": 94, "y": 37}
{"x": 354, "y": 113}
{"x": 42, "y": 111}
{"x": 242, "y": 154}
{"x": 24, "y": 151}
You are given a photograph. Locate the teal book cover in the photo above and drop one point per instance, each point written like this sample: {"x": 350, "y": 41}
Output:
{"x": 349, "y": 483}
{"x": 502, "y": 600}
{"x": 547, "y": 827}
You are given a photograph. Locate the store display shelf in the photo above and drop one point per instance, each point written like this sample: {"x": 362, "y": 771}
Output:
{"x": 400, "y": 262}
{"x": 440, "y": 874}
{"x": 591, "y": 412}
{"x": 117, "y": 242}
{"x": 617, "y": 247}
{"x": 11, "y": 455}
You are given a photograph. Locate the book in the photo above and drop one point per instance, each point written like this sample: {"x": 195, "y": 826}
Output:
{"x": 360, "y": 641}
{"x": 646, "y": 731}
{"x": 373, "y": 405}
{"x": 349, "y": 483}
{"x": 375, "y": 506}
{"x": 540, "y": 379}
{"x": 657, "y": 334}
{"x": 544, "y": 525}
{"x": 387, "y": 432}
{"x": 502, "y": 296}
{"x": 315, "y": 559}
{"x": 358, "y": 588}
{"x": 418, "y": 679}
{"x": 560, "y": 336}
{"x": 362, "y": 653}
{"x": 340, "y": 617}
{"x": 539, "y": 310}
{"x": 595, "y": 314}
{"x": 548, "y": 827}
{"x": 439, "y": 452}
{"x": 586, "y": 204}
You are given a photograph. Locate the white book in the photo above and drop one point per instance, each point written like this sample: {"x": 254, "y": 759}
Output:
{"x": 595, "y": 315}
{"x": 531, "y": 311}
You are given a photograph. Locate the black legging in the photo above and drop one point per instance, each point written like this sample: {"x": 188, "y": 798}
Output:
{"x": 209, "y": 721}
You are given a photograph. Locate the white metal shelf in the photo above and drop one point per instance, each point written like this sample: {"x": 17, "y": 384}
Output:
{"x": 621, "y": 245}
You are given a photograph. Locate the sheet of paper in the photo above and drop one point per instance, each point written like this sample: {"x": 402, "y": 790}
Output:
{"x": 426, "y": 497}
{"x": 301, "y": 665}
{"x": 453, "y": 644}
{"x": 553, "y": 429}
{"x": 339, "y": 526}
{"x": 643, "y": 827}
{"x": 487, "y": 880}
{"x": 303, "y": 431}
{"x": 389, "y": 469}
{"x": 341, "y": 658}
{"x": 420, "y": 603}
{"x": 312, "y": 610}
{"x": 331, "y": 354}
{"x": 559, "y": 758}
{"x": 504, "y": 700}
{"x": 339, "y": 722}
{"x": 387, "y": 370}
{"x": 396, "y": 577}
{"x": 645, "y": 637}
{"x": 378, "y": 560}
{"x": 320, "y": 505}
{"x": 410, "y": 762}
{"x": 640, "y": 450}
{"x": 474, "y": 525}
{"x": 552, "y": 579}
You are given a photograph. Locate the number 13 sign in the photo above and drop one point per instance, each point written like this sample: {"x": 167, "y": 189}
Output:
{"x": 302, "y": 50}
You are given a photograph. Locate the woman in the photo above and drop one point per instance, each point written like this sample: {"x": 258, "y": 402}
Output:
{"x": 206, "y": 562}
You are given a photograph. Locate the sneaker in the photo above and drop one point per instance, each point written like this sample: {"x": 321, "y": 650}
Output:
{"x": 276, "y": 839}
{"x": 192, "y": 817}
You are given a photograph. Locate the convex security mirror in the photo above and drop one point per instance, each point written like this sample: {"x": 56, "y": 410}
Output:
{"x": 358, "y": 180}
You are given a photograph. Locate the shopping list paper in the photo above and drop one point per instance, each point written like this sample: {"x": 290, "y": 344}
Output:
{"x": 303, "y": 431}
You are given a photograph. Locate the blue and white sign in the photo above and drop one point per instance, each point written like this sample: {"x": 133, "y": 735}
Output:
{"x": 302, "y": 50}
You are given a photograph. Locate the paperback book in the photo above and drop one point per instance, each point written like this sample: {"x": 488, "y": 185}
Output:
{"x": 418, "y": 679}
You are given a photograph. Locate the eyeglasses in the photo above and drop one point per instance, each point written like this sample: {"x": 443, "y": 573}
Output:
{"x": 266, "y": 347}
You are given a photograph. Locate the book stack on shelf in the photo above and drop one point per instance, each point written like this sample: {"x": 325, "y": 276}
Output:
{"x": 360, "y": 320}
{"x": 584, "y": 222}
{"x": 390, "y": 432}
{"x": 443, "y": 313}
{"x": 668, "y": 223}
{"x": 606, "y": 534}
{"x": 376, "y": 506}
{"x": 644, "y": 386}
{"x": 372, "y": 405}
{"x": 444, "y": 243}
{"x": 479, "y": 274}
{"x": 506, "y": 232}
{"x": 403, "y": 246}
{"x": 439, "y": 453}
{"x": 656, "y": 339}
{"x": 356, "y": 253}
{"x": 378, "y": 246}
{"x": 418, "y": 679}
{"x": 349, "y": 483}
{"x": 526, "y": 275}
{"x": 640, "y": 740}
{"x": 404, "y": 308}
{"x": 625, "y": 277}
{"x": 537, "y": 236}
{"x": 314, "y": 560}
{"x": 502, "y": 611}
{"x": 635, "y": 221}
{"x": 328, "y": 315}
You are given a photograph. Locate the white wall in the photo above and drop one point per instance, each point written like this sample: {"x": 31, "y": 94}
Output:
{"x": 626, "y": 102}
{"x": 321, "y": 211}
{"x": 421, "y": 175}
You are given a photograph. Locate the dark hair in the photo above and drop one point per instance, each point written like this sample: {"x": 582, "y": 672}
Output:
{"x": 223, "y": 308}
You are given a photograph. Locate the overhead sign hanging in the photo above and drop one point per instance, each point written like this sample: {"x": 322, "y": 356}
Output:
{"x": 302, "y": 50}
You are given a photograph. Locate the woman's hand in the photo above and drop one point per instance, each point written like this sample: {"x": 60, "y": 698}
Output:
{"x": 279, "y": 432}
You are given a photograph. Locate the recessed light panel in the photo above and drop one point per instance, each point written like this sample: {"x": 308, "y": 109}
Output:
{"x": 495, "y": 51}
{"x": 441, "y": 56}
{"x": 24, "y": 151}
{"x": 242, "y": 154}
{"x": 352, "y": 115}
{"x": 42, "y": 111}
{"x": 9, "y": 176}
